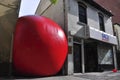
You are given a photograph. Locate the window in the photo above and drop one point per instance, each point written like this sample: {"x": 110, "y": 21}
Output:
{"x": 82, "y": 13}
{"x": 105, "y": 55}
{"x": 101, "y": 22}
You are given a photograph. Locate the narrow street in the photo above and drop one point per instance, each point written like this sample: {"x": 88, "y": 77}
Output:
{"x": 100, "y": 76}
{"x": 87, "y": 76}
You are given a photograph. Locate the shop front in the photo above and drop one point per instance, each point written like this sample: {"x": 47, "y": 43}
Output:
{"x": 95, "y": 53}
{"x": 105, "y": 57}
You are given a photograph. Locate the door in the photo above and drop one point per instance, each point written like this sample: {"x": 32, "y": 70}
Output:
{"x": 91, "y": 58}
{"x": 77, "y": 58}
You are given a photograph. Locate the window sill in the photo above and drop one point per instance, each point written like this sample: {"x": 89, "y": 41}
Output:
{"x": 80, "y": 23}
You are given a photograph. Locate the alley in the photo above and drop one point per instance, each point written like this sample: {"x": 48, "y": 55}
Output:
{"x": 87, "y": 76}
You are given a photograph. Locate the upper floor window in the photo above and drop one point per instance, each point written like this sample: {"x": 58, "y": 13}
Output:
{"x": 82, "y": 13}
{"x": 101, "y": 22}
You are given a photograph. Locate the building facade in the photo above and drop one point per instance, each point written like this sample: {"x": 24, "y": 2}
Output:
{"x": 117, "y": 33}
{"x": 8, "y": 16}
{"x": 88, "y": 27}
{"x": 114, "y": 7}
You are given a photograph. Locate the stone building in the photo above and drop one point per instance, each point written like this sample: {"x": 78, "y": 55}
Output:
{"x": 88, "y": 27}
{"x": 114, "y": 7}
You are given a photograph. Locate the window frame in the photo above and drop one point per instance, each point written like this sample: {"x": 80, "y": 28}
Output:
{"x": 82, "y": 17}
{"x": 101, "y": 22}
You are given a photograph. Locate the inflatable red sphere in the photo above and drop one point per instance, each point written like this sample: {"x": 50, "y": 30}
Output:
{"x": 39, "y": 46}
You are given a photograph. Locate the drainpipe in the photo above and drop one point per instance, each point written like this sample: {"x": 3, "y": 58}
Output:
{"x": 114, "y": 57}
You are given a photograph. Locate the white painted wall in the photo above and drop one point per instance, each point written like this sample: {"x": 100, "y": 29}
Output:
{"x": 73, "y": 27}
{"x": 54, "y": 12}
{"x": 73, "y": 17}
{"x": 117, "y": 33}
{"x": 108, "y": 25}
{"x": 70, "y": 56}
{"x": 92, "y": 18}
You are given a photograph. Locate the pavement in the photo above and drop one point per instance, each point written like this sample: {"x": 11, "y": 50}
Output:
{"x": 79, "y": 76}
{"x": 100, "y": 76}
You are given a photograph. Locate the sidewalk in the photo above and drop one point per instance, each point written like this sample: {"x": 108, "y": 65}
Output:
{"x": 53, "y": 78}
{"x": 86, "y": 76}
{"x": 100, "y": 75}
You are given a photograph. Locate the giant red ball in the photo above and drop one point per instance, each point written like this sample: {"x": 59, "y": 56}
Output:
{"x": 39, "y": 46}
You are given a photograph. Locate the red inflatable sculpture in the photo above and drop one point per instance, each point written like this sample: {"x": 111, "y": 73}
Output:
{"x": 39, "y": 47}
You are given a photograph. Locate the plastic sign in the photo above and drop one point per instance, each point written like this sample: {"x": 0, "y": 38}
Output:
{"x": 105, "y": 37}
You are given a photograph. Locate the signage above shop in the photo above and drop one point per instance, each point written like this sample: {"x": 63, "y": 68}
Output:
{"x": 105, "y": 37}
{"x": 102, "y": 36}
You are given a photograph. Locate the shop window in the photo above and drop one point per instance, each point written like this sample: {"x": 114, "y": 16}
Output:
{"x": 105, "y": 55}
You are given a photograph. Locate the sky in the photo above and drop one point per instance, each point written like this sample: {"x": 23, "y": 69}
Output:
{"x": 28, "y": 7}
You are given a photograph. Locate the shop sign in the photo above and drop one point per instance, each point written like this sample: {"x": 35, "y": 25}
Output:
{"x": 105, "y": 37}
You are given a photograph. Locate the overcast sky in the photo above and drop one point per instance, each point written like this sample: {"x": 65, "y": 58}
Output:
{"x": 28, "y": 7}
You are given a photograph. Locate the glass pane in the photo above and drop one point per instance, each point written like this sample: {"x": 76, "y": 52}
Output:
{"x": 82, "y": 14}
{"x": 105, "y": 56}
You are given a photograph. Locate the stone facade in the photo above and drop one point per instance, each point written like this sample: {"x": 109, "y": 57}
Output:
{"x": 8, "y": 17}
{"x": 66, "y": 14}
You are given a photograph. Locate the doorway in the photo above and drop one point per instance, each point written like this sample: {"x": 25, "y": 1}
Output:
{"x": 77, "y": 58}
{"x": 91, "y": 57}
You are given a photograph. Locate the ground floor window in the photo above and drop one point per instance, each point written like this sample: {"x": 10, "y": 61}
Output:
{"x": 105, "y": 55}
